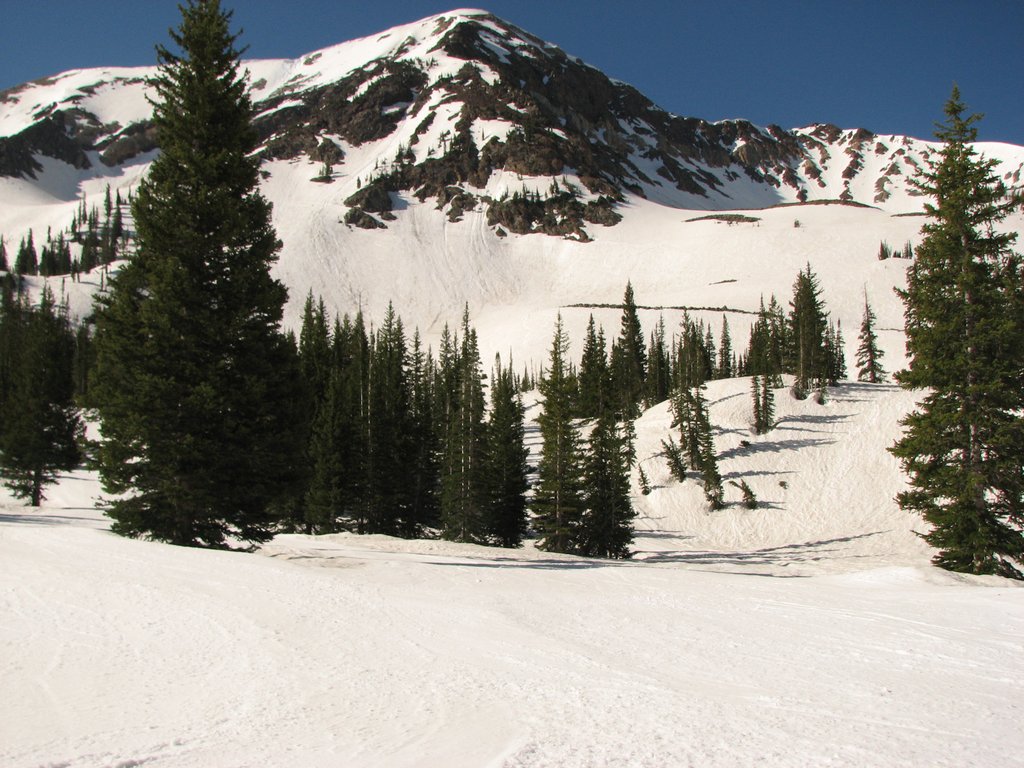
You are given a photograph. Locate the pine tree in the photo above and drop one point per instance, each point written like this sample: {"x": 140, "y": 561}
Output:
{"x": 351, "y": 367}
{"x": 767, "y": 406}
{"x": 725, "y": 361}
{"x": 606, "y": 525}
{"x": 963, "y": 448}
{"x": 40, "y": 423}
{"x": 869, "y": 356}
{"x": 594, "y": 376}
{"x": 697, "y": 448}
{"x": 4, "y": 267}
{"x": 506, "y": 475}
{"x": 659, "y": 368}
{"x": 424, "y": 471}
{"x": 707, "y": 462}
{"x": 755, "y": 391}
{"x": 196, "y": 385}
{"x": 462, "y": 480}
{"x": 27, "y": 260}
{"x": 835, "y": 354}
{"x": 558, "y": 501}
{"x": 389, "y": 446}
{"x": 807, "y": 329}
{"x": 629, "y": 360}
{"x": 324, "y": 503}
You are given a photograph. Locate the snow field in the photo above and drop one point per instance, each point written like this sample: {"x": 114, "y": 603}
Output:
{"x": 372, "y": 651}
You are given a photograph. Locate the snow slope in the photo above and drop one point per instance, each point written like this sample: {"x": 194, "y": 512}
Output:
{"x": 370, "y": 651}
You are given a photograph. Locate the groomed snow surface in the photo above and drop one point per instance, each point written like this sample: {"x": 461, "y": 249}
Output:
{"x": 369, "y": 651}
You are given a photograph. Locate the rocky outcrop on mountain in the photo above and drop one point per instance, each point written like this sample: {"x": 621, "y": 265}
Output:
{"x": 472, "y": 112}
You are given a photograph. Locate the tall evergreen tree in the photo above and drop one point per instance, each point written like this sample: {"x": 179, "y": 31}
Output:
{"x": 606, "y": 525}
{"x": 39, "y": 423}
{"x": 594, "y": 376}
{"x": 755, "y": 394}
{"x": 4, "y": 267}
{"x": 388, "y": 496}
{"x": 963, "y": 448}
{"x": 424, "y": 471}
{"x": 558, "y": 501}
{"x": 869, "y": 356}
{"x": 506, "y": 477}
{"x": 725, "y": 362}
{"x": 659, "y": 367}
{"x": 462, "y": 480}
{"x": 195, "y": 382}
{"x": 807, "y": 329}
{"x": 27, "y": 260}
{"x": 767, "y": 405}
{"x": 629, "y": 360}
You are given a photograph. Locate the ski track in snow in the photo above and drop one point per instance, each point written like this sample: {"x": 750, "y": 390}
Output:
{"x": 370, "y": 651}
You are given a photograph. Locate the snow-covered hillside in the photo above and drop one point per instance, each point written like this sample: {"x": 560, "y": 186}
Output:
{"x": 81, "y": 131}
{"x": 371, "y": 651}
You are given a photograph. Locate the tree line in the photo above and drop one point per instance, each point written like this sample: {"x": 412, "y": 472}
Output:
{"x": 217, "y": 426}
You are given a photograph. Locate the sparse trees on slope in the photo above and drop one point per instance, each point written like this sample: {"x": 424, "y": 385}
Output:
{"x": 963, "y": 448}
{"x": 195, "y": 382}
{"x": 869, "y": 356}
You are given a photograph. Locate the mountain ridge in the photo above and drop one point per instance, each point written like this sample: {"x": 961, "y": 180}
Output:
{"x": 434, "y": 228}
{"x": 462, "y": 95}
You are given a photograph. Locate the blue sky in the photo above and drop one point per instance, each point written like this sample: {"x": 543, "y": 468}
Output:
{"x": 885, "y": 66}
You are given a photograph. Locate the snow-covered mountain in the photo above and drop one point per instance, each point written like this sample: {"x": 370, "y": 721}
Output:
{"x": 445, "y": 105}
{"x": 460, "y": 159}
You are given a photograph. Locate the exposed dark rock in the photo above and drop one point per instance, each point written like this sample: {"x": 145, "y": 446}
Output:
{"x": 135, "y": 140}
{"x": 361, "y": 219}
{"x": 49, "y": 137}
{"x": 372, "y": 198}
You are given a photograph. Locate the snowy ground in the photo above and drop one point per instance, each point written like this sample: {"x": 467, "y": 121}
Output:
{"x": 368, "y": 651}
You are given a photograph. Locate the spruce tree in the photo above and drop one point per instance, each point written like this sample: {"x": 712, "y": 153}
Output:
{"x": 195, "y": 382}
{"x": 707, "y": 462}
{"x": 767, "y": 405}
{"x": 755, "y": 392}
{"x": 659, "y": 368}
{"x": 629, "y": 360}
{"x": 424, "y": 470}
{"x": 725, "y": 361}
{"x": 462, "y": 479}
{"x": 807, "y": 330}
{"x": 558, "y": 501}
{"x": 606, "y": 525}
{"x": 594, "y": 377}
{"x": 389, "y": 494}
{"x": 963, "y": 448}
{"x": 27, "y": 260}
{"x": 869, "y": 356}
{"x": 39, "y": 423}
{"x": 506, "y": 476}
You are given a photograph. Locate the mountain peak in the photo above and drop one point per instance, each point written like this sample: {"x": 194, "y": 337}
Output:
{"x": 471, "y": 111}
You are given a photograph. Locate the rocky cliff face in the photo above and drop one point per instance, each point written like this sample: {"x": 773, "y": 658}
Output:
{"x": 467, "y": 110}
